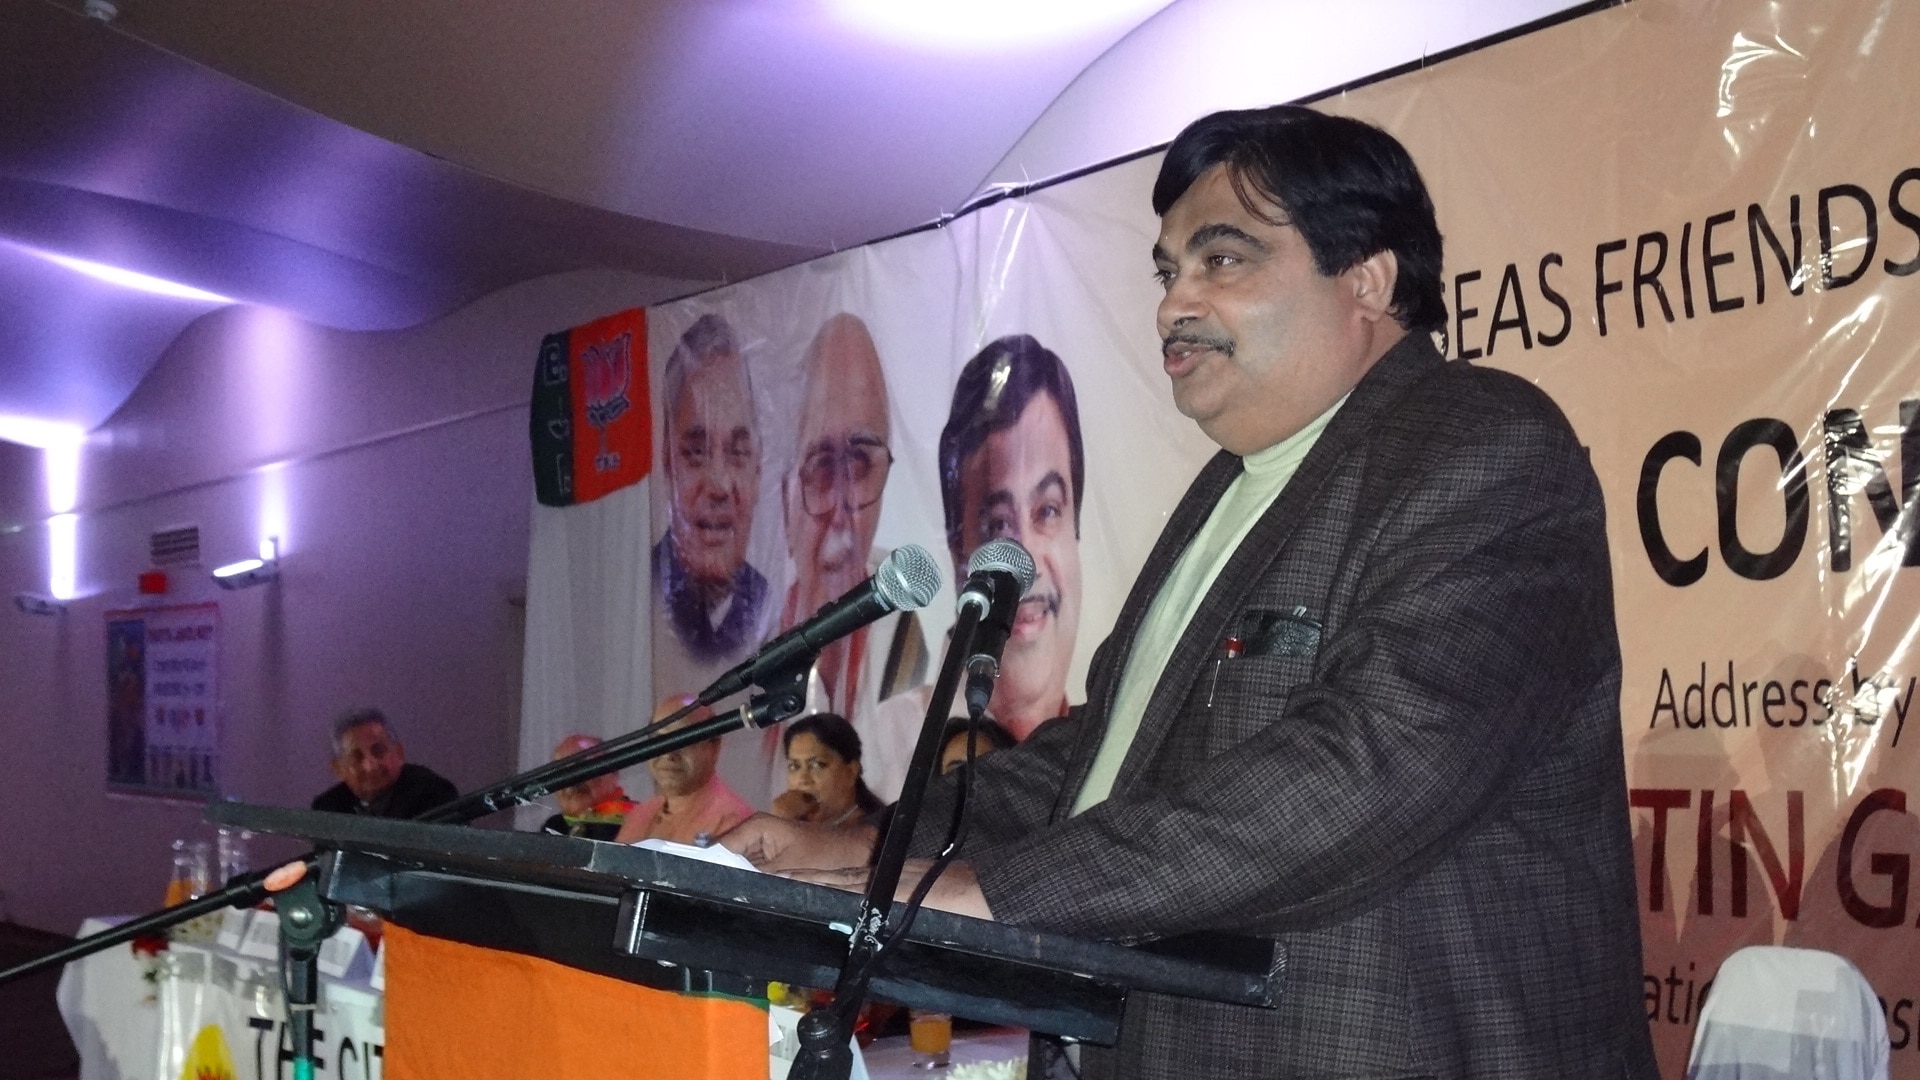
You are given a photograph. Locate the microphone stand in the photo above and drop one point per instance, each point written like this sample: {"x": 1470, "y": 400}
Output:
{"x": 785, "y": 694}
{"x": 825, "y": 1034}
{"x": 306, "y": 921}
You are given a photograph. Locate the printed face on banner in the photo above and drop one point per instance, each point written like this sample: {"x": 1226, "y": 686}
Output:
{"x": 1019, "y": 484}
{"x": 832, "y": 496}
{"x": 713, "y": 468}
{"x": 1255, "y": 339}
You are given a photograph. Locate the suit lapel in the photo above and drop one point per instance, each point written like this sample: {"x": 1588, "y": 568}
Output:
{"x": 1215, "y": 477}
{"x": 1403, "y": 365}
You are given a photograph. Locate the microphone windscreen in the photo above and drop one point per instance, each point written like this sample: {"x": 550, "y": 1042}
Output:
{"x": 908, "y": 579}
{"x": 1004, "y": 554}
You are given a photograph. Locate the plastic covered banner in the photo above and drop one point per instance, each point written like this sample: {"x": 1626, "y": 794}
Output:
{"x": 1696, "y": 225}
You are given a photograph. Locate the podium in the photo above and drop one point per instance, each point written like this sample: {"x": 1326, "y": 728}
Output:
{"x": 678, "y": 924}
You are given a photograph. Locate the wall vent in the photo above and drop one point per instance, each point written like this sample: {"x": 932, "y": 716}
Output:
{"x": 174, "y": 547}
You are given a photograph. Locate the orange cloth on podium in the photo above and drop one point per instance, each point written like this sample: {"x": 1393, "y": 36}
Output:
{"x": 454, "y": 1012}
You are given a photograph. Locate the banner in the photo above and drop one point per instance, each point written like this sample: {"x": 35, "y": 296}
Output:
{"x": 1696, "y": 225}
{"x": 163, "y": 701}
{"x": 192, "y": 1012}
{"x": 223, "y": 1017}
{"x": 592, "y": 428}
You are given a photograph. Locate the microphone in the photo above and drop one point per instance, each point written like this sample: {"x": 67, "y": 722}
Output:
{"x": 998, "y": 575}
{"x": 906, "y": 580}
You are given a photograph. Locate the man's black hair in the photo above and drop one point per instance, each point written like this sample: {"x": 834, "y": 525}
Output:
{"x": 985, "y": 401}
{"x": 1350, "y": 188}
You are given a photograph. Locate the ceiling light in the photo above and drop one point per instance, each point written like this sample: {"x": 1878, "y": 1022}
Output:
{"x": 131, "y": 279}
{"x": 247, "y": 573}
{"x": 63, "y": 555}
{"x": 40, "y": 434}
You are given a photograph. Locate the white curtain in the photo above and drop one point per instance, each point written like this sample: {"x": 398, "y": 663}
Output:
{"x": 588, "y": 653}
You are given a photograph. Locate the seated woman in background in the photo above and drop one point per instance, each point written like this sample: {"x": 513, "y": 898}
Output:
{"x": 823, "y": 773}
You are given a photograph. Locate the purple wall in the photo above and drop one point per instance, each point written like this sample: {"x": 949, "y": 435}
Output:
{"x": 393, "y": 465}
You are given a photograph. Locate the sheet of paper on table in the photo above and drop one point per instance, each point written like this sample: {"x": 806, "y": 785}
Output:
{"x": 713, "y": 853}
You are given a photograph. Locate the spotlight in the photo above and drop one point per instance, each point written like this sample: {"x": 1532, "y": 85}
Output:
{"x": 30, "y": 604}
{"x": 246, "y": 573}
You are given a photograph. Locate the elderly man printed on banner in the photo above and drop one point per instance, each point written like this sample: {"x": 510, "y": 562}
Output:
{"x": 710, "y": 604}
{"x": 831, "y": 505}
{"x": 1363, "y": 698}
{"x": 375, "y": 776}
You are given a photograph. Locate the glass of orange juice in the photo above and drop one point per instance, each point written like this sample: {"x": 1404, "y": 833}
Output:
{"x": 180, "y": 886}
{"x": 931, "y": 1036}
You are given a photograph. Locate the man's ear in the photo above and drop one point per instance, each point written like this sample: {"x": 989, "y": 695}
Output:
{"x": 1372, "y": 280}
{"x": 339, "y": 770}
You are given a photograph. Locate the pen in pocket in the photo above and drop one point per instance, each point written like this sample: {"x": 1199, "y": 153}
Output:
{"x": 1230, "y": 649}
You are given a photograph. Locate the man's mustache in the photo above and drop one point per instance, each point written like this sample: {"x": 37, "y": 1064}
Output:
{"x": 1223, "y": 346}
{"x": 1050, "y": 600}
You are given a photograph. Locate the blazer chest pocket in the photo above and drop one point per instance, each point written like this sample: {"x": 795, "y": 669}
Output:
{"x": 1235, "y": 699}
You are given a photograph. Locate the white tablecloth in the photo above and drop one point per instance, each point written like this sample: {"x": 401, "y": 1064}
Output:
{"x": 128, "y": 1026}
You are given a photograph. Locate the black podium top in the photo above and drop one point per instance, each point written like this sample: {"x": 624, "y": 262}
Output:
{"x": 662, "y": 920}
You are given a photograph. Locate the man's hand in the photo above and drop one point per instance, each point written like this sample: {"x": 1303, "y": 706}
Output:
{"x": 957, "y": 890}
{"x": 775, "y": 844}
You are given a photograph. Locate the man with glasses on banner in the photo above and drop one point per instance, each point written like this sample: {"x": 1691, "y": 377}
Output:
{"x": 830, "y": 502}
{"x": 1363, "y": 701}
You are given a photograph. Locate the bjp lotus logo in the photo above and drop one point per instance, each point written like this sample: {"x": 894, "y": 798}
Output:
{"x": 606, "y": 371}
{"x": 208, "y": 1058}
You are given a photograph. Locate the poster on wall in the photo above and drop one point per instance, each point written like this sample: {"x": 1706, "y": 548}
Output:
{"x": 163, "y": 693}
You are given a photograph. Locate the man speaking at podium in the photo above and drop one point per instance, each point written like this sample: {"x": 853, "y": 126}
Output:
{"x": 1363, "y": 699}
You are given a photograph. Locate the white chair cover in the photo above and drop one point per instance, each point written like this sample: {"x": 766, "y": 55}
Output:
{"x": 1776, "y": 1012}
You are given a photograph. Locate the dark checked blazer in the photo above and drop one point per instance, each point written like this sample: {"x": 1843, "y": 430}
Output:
{"x": 1412, "y": 781}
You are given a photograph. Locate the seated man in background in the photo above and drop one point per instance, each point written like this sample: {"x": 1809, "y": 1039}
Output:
{"x": 592, "y": 809}
{"x": 375, "y": 778}
{"x": 689, "y": 803}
